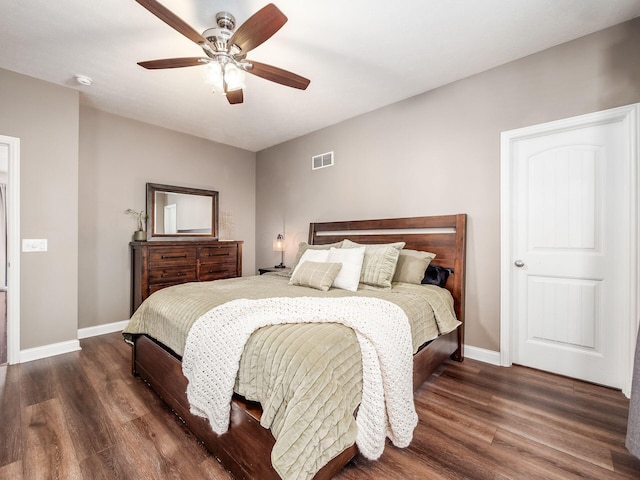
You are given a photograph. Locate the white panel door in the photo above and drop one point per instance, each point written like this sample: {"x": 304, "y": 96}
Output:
{"x": 571, "y": 232}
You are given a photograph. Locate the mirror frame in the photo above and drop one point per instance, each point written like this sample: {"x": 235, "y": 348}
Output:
{"x": 152, "y": 188}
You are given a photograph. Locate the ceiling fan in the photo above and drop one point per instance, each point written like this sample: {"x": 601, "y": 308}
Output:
{"x": 227, "y": 49}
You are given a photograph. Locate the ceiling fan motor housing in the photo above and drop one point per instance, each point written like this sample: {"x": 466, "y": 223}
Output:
{"x": 226, "y": 20}
{"x": 219, "y": 36}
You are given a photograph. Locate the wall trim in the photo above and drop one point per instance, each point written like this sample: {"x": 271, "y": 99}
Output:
{"x": 101, "y": 329}
{"x": 50, "y": 350}
{"x": 482, "y": 355}
{"x": 59, "y": 348}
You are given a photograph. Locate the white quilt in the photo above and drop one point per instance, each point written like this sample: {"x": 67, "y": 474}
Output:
{"x": 216, "y": 341}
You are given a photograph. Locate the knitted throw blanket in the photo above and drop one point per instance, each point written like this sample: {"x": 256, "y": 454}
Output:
{"x": 216, "y": 341}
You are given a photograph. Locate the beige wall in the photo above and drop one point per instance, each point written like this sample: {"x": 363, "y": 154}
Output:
{"x": 45, "y": 118}
{"x": 118, "y": 157}
{"x": 438, "y": 153}
{"x": 77, "y": 201}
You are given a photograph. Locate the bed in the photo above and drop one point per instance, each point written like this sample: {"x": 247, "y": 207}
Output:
{"x": 245, "y": 449}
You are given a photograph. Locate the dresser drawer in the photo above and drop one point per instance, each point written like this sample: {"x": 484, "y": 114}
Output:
{"x": 168, "y": 256}
{"x": 157, "y": 265}
{"x": 219, "y": 254}
{"x": 217, "y": 271}
{"x": 178, "y": 274}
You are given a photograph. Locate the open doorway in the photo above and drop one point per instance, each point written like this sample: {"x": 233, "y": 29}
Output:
{"x": 10, "y": 270}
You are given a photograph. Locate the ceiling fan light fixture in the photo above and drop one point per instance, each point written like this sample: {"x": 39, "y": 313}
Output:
{"x": 214, "y": 73}
{"x": 234, "y": 77}
{"x": 214, "y": 77}
{"x": 217, "y": 75}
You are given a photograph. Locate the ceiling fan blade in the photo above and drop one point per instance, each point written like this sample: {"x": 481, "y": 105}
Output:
{"x": 174, "y": 62}
{"x": 175, "y": 22}
{"x": 258, "y": 28}
{"x": 235, "y": 96}
{"x": 278, "y": 75}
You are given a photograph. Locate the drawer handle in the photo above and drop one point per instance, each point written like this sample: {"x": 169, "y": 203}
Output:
{"x": 167, "y": 257}
{"x": 216, "y": 271}
{"x": 178, "y": 274}
{"x": 224, "y": 254}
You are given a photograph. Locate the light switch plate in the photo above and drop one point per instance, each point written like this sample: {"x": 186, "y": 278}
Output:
{"x": 34, "y": 244}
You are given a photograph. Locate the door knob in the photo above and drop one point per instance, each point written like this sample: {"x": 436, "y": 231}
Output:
{"x": 519, "y": 263}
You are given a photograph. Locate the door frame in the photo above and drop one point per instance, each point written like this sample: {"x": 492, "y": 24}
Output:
{"x": 13, "y": 249}
{"x": 629, "y": 115}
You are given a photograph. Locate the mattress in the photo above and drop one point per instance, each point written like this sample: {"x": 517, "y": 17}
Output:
{"x": 306, "y": 376}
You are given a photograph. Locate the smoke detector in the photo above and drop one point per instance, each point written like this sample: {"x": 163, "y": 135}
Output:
{"x": 83, "y": 80}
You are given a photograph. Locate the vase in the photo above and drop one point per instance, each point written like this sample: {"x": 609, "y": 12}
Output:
{"x": 139, "y": 236}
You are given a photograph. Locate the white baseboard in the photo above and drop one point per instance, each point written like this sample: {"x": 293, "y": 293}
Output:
{"x": 482, "y": 355}
{"x": 101, "y": 329}
{"x": 44, "y": 351}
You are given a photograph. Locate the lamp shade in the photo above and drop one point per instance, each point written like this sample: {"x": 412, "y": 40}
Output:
{"x": 278, "y": 243}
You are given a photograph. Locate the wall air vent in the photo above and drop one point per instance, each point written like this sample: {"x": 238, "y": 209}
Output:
{"x": 322, "y": 160}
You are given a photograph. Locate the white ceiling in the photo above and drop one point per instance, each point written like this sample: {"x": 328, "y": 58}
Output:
{"x": 359, "y": 54}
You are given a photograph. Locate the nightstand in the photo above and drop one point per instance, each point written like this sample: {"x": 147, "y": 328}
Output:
{"x": 274, "y": 269}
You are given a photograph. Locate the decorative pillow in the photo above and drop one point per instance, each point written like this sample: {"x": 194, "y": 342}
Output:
{"x": 351, "y": 260}
{"x": 436, "y": 275}
{"x": 411, "y": 266}
{"x": 311, "y": 256}
{"x": 318, "y": 275}
{"x": 304, "y": 246}
{"x": 379, "y": 263}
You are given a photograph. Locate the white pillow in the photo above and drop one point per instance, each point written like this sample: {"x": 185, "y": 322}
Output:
{"x": 351, "y": 260}
{"x": 311, "y": 256}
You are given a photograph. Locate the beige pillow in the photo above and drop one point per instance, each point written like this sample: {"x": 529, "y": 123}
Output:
{"x": 411, "y": 266}
{"x": 304, "y": 246}
{"x": 318, "y": 275}
{"x": 311, "y": 255}
{"x": 379, "y": 263}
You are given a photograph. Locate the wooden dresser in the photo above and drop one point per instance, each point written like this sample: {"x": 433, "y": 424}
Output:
{"x": 156, "y": 265}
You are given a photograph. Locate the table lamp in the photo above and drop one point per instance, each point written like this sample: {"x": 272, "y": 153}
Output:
{"x": 278, "y": 246}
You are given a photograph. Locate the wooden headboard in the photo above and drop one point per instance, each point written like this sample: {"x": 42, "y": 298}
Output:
{"x": 443, "y": 235}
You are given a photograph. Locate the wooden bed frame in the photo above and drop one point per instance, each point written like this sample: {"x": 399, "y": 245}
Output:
{"x": 245, "y": 449}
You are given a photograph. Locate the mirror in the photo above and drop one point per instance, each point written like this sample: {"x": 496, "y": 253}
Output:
{"x": 181, "y": 212}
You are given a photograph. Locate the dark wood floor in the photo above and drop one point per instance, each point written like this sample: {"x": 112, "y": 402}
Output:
{"x": 82, "y": 415}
